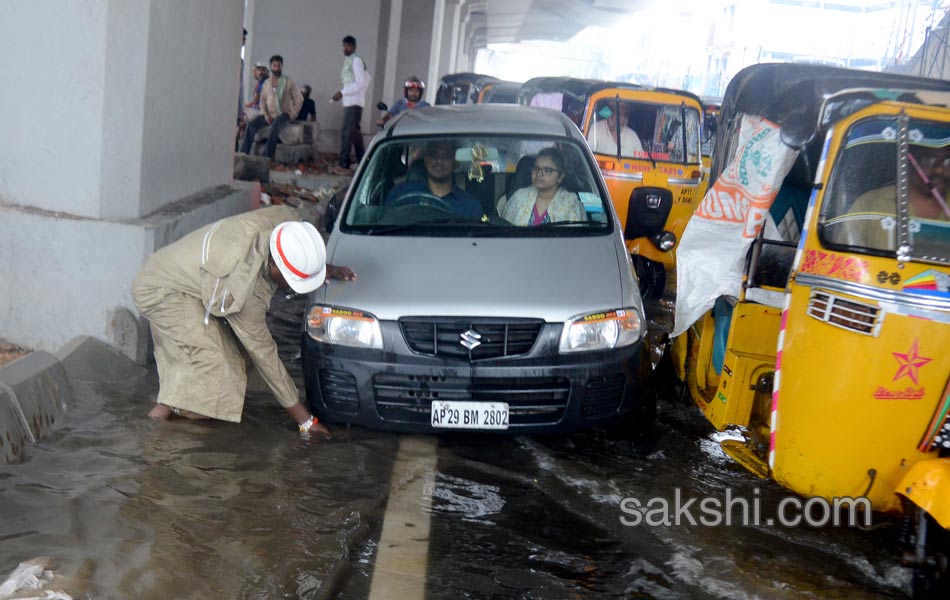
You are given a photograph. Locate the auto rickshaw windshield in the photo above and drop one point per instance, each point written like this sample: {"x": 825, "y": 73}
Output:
{"x": 646, "y": 130}
{"x": 861, "y": 210}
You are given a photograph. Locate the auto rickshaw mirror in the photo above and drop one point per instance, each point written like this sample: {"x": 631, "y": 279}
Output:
{"x": 798, "y": 128}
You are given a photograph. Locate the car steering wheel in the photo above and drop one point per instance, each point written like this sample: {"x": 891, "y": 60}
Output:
{"x": 422, "y": 198}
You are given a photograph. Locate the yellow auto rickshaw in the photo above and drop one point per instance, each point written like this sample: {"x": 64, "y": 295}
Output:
{"x": 823, "y": 326}
{"x": 653, "y": 174}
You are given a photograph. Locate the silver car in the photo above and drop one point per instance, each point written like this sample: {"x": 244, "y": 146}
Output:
{"x": 494, "y": 293}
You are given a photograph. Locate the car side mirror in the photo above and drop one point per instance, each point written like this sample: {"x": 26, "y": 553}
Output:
{"x": 330, "y": 217}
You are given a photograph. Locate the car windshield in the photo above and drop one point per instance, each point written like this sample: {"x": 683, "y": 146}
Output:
{"x": 860, "y": 210}
{"x": 478, "y": 186}
{"x": 645, "y": 130}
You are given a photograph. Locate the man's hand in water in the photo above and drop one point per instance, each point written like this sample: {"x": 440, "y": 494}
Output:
{"x": 341, "y": 273}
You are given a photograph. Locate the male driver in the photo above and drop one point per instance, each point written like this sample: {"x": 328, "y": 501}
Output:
{"x": 280, "y": 101}
{"x": 929, "y": 200}
{"x": 209, "y": 292}
{"x": 412, "y": 98}
{"x": 355, "y": 81}
{"x": 440, "y": 164}
{"x": 603, "y": 135}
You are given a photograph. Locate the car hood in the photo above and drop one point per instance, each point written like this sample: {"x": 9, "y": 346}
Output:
{"x": 547, "y": 278}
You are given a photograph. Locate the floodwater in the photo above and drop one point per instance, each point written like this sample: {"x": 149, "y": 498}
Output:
{"x": 130, "y": 508}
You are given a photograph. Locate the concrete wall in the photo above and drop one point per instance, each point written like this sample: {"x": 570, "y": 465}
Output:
{"x": 61, "y": 277}
{"x": 309, "y": 34}
{"x": 51, "y": 130}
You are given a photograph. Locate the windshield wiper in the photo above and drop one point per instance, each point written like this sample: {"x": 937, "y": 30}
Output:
{"x": 566, "y": 223}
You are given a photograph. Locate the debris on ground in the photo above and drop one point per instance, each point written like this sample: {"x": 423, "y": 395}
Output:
{"x": 322, "y": 164}
{"x": 282, "y": 193}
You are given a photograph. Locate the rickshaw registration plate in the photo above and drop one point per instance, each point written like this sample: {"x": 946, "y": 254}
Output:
{"x": 469, "y": 415}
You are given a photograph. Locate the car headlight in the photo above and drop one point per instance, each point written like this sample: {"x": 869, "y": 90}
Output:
{"x": 344, "y": 327}
{"x": 601, "y": 331}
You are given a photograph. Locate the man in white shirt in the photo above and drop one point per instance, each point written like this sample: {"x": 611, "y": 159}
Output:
{"x": 355, "y": 81}
{"x": 602, "y": 137}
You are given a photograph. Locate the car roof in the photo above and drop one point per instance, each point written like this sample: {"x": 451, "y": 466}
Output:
{"x": 482, "y": 119}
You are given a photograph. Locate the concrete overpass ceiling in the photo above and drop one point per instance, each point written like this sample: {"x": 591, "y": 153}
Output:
{"x": 512, "y": 21}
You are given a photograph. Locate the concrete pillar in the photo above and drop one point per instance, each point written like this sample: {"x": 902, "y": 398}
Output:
{"x": 392, "y": 51}
{"x": 435, "y": 51}
{"x": 124, "y": 108}
{"x": 445, "y": 56}
{"x": 456, "y": 32}
{"x": 414, "y": 47}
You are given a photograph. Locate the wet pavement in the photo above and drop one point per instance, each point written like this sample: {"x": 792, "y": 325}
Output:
{"x": 130, "y": 508}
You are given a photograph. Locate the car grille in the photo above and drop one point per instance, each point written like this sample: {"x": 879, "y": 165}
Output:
{"x": 603, "y": 395}
{"x": 531, "y": 400}
{"x": 495, "y": 338}
{"x": 339, "y": 391}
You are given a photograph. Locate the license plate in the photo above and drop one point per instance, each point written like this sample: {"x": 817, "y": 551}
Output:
{"x": 469, "y": 415}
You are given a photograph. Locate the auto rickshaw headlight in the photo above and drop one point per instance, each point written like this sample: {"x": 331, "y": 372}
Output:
{"x": 665, "y": 240}
{"x": 601, "y": 331}
{"x": 344, "y": 327}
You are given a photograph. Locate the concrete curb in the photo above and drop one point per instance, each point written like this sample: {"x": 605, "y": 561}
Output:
{"x": 36, "y": 389}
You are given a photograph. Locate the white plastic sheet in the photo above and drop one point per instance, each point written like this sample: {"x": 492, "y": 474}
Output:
{"x": 711, "y": 255}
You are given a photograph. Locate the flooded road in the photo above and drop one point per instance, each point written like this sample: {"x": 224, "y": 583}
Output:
{"x": 130, "y": 508}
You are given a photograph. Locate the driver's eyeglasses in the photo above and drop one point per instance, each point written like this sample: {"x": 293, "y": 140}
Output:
{"x": 543, "y": 170}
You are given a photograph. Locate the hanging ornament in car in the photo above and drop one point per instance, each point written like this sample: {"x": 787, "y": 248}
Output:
{"x": 475, "y": 172}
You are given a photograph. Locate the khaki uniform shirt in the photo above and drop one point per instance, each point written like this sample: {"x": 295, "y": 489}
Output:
{"x": 221, "y": 271}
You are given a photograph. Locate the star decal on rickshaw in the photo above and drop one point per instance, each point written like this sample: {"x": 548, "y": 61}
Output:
{"x": 909, "y": 363}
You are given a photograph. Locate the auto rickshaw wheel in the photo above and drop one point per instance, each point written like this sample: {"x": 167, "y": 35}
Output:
{"x": 928, "y": 554}
{"x": 669, "y": 386}
{"x": 651, "y": 275}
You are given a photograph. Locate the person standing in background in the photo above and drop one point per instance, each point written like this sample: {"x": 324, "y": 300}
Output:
{"x": 355, "y": 81}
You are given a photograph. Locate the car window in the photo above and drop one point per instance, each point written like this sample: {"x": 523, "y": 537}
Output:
{"x": 498, "y": 185}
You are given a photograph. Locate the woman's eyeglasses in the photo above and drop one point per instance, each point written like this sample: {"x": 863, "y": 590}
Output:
{"x": 543, "y": 170}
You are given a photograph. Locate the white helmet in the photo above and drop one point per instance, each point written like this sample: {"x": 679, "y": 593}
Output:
{"x": 300, "y": 254}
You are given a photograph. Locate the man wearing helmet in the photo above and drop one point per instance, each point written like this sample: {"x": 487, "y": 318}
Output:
{"x": 412, "y": 98}
{"x": 209, "y": 292}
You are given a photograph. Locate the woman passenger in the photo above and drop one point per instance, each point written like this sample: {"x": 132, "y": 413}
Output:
{"x": 545, "y": 201}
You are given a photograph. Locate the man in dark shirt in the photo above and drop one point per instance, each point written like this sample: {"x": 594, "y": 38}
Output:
{"x": 440, "y": 167}
{"x": 308, "y": 112}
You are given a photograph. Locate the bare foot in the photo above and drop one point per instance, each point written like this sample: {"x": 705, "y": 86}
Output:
{"x": 161, "y": 412}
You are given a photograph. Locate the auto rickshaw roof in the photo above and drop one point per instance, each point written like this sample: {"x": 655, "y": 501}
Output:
{"x": 777, "y": 90}
{"x": 477, "y": 78}
{"x": 502, "y": 92}
{"x": 806, "y": 99}
{"x": 582, "y": 89}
